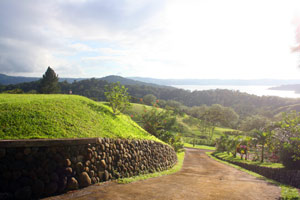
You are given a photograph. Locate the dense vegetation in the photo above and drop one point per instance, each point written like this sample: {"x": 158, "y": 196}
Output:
{"x": 273, "y": 141}
{"x": 165, "y": 124}
{"x": 63, "y": 116}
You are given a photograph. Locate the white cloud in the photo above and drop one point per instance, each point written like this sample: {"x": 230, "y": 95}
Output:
{"x": 163, "y": 39}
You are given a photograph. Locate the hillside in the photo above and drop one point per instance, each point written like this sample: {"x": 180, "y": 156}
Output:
{"x": 62, "y": 116}
{"x": 294, "y": 87}
{"x": 6, "y": 80}
{"x": 129, "y": 81}
{"x": 189, "y": 125}
{"x": 289, "y": 108}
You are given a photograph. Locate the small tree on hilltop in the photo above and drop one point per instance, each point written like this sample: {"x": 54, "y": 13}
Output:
{"x": 117, "y": 97}
{"x": 49, "y": 82}
{"x": 149, "y": 99}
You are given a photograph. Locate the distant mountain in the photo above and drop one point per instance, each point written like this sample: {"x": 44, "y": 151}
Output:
{"x": 7, "y": 80}
{"x": 216, "y": 81}
{"x": 128, "y": 81}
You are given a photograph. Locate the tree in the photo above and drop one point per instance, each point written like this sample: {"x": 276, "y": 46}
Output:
{"x": 288, "y": 140}
{"x": 263, "y": 137}
{"x": 149, "y": 99}
{"x": 157, "y": 122}
{"x": 117, "y": 96}
{"x": 49, "y": 82}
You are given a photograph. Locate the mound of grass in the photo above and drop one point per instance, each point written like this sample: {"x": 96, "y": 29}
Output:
{"x": 63, "y": 116}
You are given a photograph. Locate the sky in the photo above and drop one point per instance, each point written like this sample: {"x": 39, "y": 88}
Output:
{"x": 197, "y": 39}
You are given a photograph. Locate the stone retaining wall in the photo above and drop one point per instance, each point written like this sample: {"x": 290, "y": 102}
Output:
{"x": 282, "y": 175}
{"x": 39, "y": 168}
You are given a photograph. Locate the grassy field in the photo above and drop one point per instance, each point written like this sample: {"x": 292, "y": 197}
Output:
{"x": 287, "y": 192}
{"x": 189, "y": 130}
{"x": 62, "y": 116}
{"x": 230, "y": 157}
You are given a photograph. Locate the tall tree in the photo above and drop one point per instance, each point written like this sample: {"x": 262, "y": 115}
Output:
{"x": 49, "y": 82}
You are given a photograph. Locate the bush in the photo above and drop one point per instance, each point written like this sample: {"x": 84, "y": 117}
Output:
{"x": 287, "y": 159}
{"x": 288, "y": 140}
{"x": 161, "y": 124}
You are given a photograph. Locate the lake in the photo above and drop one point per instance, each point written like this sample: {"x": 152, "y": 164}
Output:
{"x": 259, "y": 90}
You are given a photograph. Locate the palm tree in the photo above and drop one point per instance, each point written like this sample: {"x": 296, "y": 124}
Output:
{"x": 262, "y": 136}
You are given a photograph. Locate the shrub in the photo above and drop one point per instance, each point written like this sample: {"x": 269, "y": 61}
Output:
{"x": 287, "y": 159}
{"x": 161, "y": 123}
{"x": 288, "y": 140}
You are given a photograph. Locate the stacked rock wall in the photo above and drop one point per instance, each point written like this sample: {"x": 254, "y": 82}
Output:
{"x": 39, "y": 168}
{"x": 282, "y": 175}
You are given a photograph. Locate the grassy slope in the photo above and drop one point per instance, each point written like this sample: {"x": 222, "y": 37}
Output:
{"x": 62, "y": 116}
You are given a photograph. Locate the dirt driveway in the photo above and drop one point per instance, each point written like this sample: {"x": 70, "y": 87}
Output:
{"x": 200, "y": 178}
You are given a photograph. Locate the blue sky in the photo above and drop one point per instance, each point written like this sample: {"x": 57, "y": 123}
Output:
{"x": 233, "y": 39}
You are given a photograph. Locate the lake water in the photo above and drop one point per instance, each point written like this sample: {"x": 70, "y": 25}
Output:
{"x": 259, "y": 90}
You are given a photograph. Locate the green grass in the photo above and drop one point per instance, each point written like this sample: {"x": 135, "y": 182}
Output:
{"x": 176, "y": 168}
{"x": 287, "y": 192}
{"x": 230, "y": 157}
{"x": 199, "y": 146}
{"x": 27, "y": 116}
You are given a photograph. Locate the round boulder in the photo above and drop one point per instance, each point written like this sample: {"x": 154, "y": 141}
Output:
{"x": 84, "y": 179}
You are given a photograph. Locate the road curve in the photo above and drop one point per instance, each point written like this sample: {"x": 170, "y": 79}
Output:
{"x": 200, "y": 178}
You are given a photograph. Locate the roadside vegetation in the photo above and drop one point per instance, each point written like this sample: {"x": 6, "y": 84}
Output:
{"x": 276, "y": 142}
{"x": 232, "y": 158}
{"x": 287, "y": 192}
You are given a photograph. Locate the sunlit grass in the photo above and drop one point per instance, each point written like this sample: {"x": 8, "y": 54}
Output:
{"x": 199, "y": 146}
{"x": 176, "y": 168}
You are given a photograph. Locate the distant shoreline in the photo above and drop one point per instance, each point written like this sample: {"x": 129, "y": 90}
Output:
{"x": 259, "y": 90}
